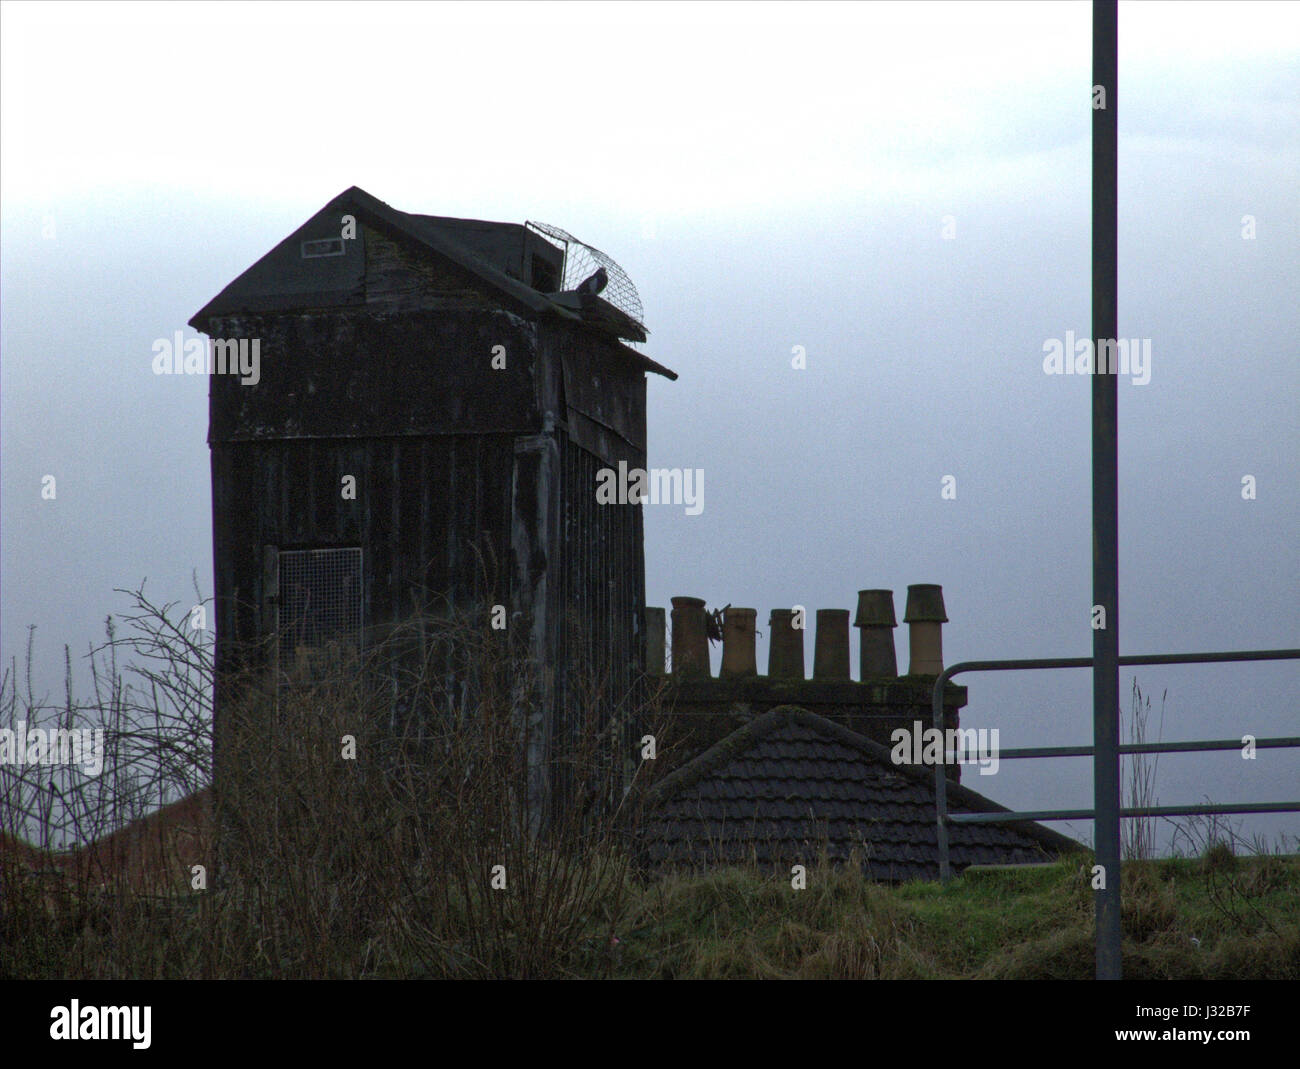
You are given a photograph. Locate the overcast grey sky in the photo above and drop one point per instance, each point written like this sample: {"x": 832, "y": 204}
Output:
{"x": 770, "y": 177}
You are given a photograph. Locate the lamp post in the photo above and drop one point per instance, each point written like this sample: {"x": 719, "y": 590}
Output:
{"x": 1105, "y": 486}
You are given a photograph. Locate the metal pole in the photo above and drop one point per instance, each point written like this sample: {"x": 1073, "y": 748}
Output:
{"x": 1105, "y": 486}
{"x": 941, "y": 789}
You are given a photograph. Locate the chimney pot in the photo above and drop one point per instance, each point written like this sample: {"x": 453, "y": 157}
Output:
{"x": 875, "y": 609}
{"x": 925, "y": 602}
{"x": 690, "y": 639}
{"x": 876, "y": 621}
{"x": 831, "y": 653}
{"x": 925, "y": 617}
{"x": 738, "y": 643}
{"x": 785, "y": 654}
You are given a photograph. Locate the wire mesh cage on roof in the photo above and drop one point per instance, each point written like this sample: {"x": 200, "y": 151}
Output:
{"x": 581, "y": 261}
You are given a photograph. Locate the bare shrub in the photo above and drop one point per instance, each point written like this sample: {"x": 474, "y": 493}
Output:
{"x": 413, "y": 809}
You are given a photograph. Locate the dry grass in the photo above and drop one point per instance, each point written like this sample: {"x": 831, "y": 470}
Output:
{"x": 1029, "y": 924}
{"x": 382, "y": 865}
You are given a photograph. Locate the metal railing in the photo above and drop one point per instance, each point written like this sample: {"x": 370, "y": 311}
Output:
{"x": 943, "y": 817}
{"x": 1107, "y": 936}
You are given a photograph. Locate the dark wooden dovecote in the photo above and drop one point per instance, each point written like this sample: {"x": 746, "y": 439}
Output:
{"x": 376, "y": 363}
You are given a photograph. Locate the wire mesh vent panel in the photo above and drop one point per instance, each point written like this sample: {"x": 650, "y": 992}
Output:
{"x": 320, "y": 597}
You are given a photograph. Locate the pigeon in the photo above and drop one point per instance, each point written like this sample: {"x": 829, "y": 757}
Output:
{"x": 593, "y": 284}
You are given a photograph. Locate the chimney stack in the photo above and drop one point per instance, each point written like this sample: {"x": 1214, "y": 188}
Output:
{"x": 831, "y": 652}
{"x": 876, "y": 623}
{"x": 925, "y": 618}
{"x": 785, "y": 654}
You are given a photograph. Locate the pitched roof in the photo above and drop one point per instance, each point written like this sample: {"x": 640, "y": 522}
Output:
{"x": 154, "y": 851}
{"x": 790, "y": 782}
{"x": 283, "y": 280}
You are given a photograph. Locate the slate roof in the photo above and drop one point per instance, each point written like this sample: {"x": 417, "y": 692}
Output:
{"x": 779, "y": 787}
{"x": 283, "y": 280}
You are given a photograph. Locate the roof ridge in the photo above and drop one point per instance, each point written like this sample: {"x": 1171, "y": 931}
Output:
{"x": 384, "y": 216}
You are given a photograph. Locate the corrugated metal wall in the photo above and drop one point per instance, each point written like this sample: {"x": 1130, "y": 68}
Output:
{"x": 423, "y": 507}
{"x": 602, "y": 586}
{"x": 447, "y": 511}
{"x": 426, "y": 508}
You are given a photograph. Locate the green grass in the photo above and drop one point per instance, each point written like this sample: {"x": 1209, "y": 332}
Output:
{"x": 1217, "y": 917}
{"x": 1182, "y": 919}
